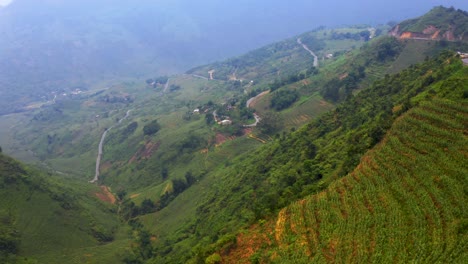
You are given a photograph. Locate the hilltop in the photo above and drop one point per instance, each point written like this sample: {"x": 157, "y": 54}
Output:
{"x": 439, "y": 24}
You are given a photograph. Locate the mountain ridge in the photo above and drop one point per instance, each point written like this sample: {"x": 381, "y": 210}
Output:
{"x": 439, "y": 24}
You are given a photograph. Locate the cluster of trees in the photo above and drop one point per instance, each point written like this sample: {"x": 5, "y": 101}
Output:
{"x": 293, "y": 78}
{"x": 380, "y": 52}
{"x": 190, "y": 143}
{"x": 112, "y": 99}
{"x": 157, "y": 81}
{"x": 152, "y": 128}
{"x": 283, "y": 99}
{"x": 130, "y": 210}
{"x": 9, "y": 237}
{"x": 174, "y": 87}
{"x": 362, "y": 35}
{"x": 122, "y": 135}
{"x": 339, "y": 89}
{"x": 142, "y": 248}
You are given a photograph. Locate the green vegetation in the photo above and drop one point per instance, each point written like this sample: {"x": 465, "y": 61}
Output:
{"x": 50, "y": 219}
{"x": 283, "y": 99}
{"x": 406, "y": 200}
{"x": 186, "y": 185}
{"x": 151, "y": 128}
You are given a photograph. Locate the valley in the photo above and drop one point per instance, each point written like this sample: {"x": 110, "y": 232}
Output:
{"x": 335, "y": 145}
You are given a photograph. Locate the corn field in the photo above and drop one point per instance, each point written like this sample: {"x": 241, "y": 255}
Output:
{"x": 406, "y": 201}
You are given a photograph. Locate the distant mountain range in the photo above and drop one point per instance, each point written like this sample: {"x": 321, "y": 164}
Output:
{"x": 49, "y": 45}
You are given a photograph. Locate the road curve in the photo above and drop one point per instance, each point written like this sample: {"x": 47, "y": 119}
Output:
{"x": 311, "y": 52}
{"x": 249, "y": 102}
{"x": 101, "y": 144}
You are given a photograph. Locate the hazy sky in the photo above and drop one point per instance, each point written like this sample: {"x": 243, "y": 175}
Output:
{"x": 5, "y": 2}
{"x": 195, "y": 31}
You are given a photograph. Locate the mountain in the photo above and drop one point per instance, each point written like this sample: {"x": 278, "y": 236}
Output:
{"x": 439, "y": 24}
{"x": 202, "y": 163}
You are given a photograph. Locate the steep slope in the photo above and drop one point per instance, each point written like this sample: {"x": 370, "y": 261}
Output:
{"x": 406, "y": 201}
{"x": 294, "y": 166}
{"x": 439, "y": 24}
{"x": 45, "y": 219}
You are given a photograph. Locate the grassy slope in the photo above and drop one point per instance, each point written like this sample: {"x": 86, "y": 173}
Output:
{"x": 57, "y": 223}
{"x": 406, "y": 201}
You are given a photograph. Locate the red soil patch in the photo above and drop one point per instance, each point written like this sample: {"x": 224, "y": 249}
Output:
{"x": 145, "y": 152}
{"x": 105, "y": 195}
{"x": 220, "y": 139}
{"x": 248, "y": 131}
{"x": 248, "y": 243}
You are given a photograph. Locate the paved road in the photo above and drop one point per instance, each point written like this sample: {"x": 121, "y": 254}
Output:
{"x": 249, "y": 102}
{"x": 257, "y": 119}
{"x": 311, "y": 52}
{"x": 101, "y": 144}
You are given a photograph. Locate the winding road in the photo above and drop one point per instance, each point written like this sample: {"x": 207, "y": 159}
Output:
{"x": 249, "y": 102}
{"x": 311, "y": 52}
{"x": 101, "y": 144}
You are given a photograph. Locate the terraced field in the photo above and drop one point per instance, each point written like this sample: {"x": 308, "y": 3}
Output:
{"x": 406, "y": 201}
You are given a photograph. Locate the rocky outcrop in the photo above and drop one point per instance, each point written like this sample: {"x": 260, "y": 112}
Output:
{"x": 429, "y": 33}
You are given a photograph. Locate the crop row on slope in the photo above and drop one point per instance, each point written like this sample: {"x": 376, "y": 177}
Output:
{"x": 406, "y": 201}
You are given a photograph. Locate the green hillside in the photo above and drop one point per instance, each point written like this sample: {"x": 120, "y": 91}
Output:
{"x": 405, "y": 202}
{"x": 187, "y": 187}
{"x": 439, "y": 23}
{"x": 53, "y": 220}
{"x": 291, "y": 167}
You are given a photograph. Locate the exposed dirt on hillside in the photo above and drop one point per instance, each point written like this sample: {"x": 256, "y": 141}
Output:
{"x": 146, "y": 151}
{"x": 429, "y": 33}
{"x": 248, "y": 243}
{"x": 220, "y": 139}
{"x": 105, "y": 195}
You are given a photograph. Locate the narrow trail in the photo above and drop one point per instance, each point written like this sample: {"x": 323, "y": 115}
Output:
{"x": 166, "y": 86}
{"x": 199, "y": 76}
{"x": 311, "y": 52}
{"x": 100, "y": 151}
